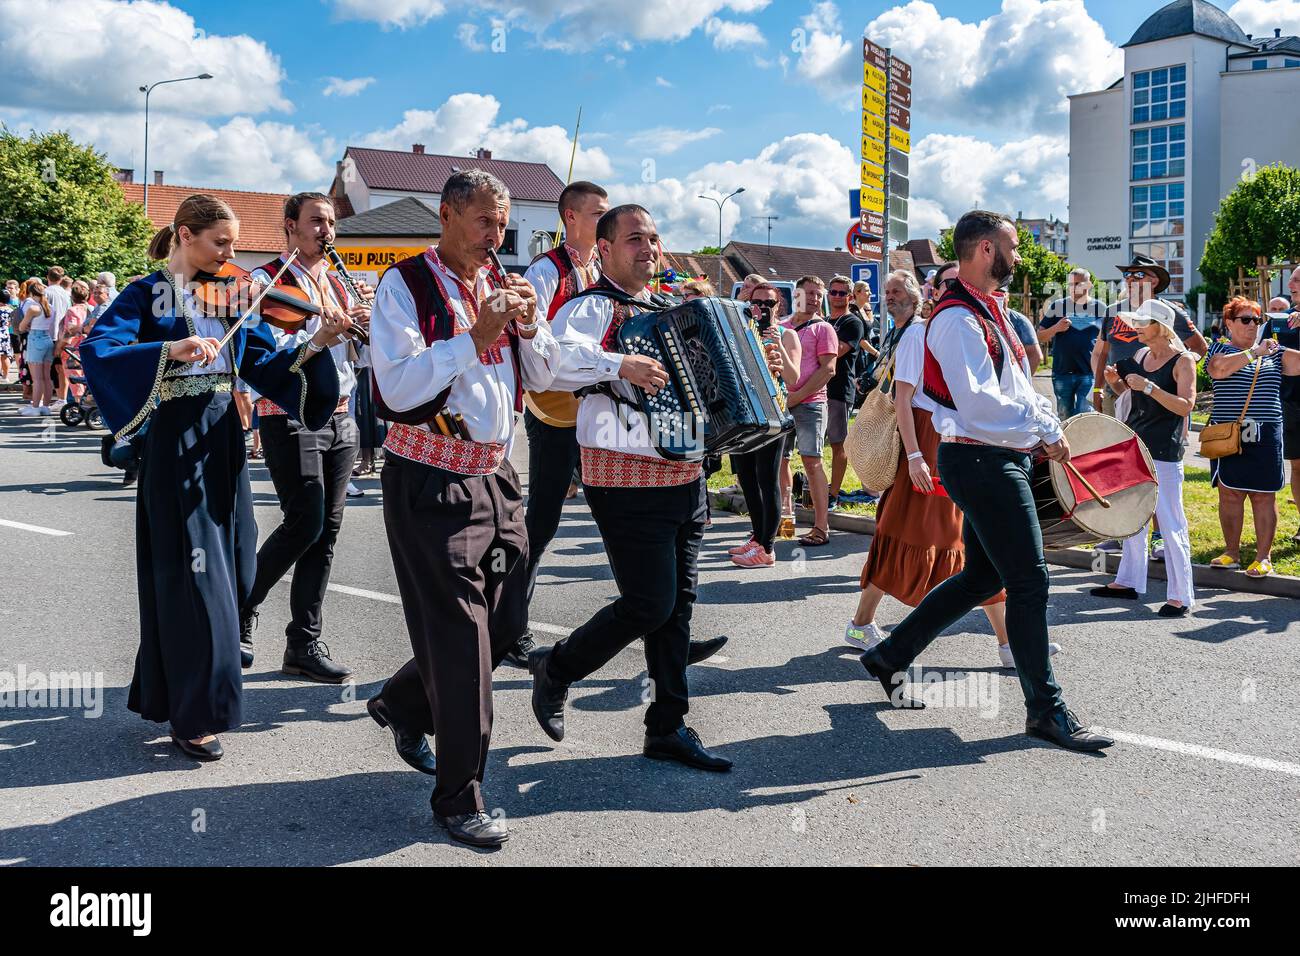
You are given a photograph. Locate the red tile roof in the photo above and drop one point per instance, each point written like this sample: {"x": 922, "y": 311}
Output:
{"x": 261, "y": 215}
{"x": 429, "y": 172}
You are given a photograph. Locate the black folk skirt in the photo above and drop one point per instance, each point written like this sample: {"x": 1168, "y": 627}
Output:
{"x": 196, "y": 557}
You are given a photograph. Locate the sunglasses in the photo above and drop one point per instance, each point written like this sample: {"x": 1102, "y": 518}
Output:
{"x": 836, "y": 294}
{"x": 763, "y": 303}
{"x": 1136, "y": 275}
{"x": 1247, "y": 319}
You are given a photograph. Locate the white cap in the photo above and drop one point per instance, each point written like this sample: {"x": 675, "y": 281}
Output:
{"x": 1157, "y": 311}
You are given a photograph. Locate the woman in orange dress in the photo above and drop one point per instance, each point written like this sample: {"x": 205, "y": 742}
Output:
{"x": 918, "y": 541}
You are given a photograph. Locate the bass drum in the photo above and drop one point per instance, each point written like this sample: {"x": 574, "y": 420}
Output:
{"x": 1068, "y": 523}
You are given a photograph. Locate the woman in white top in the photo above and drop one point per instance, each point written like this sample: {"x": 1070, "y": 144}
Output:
{"x": 37, "y": 322}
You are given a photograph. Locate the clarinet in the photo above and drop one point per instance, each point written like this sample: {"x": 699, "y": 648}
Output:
{"x": 356, "y": 332}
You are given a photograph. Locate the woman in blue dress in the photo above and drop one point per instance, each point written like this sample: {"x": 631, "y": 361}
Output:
{"x": 153, "y": 360}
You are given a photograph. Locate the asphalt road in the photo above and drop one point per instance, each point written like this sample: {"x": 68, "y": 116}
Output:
{"x": 1207, "y": 770}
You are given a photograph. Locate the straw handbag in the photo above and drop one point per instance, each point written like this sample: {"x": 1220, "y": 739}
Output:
{"x": 872, "y": 443}
{"x": 1224, "y": 439}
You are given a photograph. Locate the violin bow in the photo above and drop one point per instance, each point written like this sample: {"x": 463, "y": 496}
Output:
{"x": 256, "y": 302}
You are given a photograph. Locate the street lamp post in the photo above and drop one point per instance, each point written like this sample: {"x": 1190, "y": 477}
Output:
{"x": 721, "y": 203}
{"x": 146, "y": 90}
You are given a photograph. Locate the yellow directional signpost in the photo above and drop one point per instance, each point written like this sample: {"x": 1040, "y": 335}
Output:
{"x": 886, "y": 143}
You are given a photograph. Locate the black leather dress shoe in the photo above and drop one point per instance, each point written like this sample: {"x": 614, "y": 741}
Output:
{"x": 411, "y": 744}
{"x": 476, "y": 829}
{"x": 684, "y": 746}
{"x": 548, "y": 695}
{"x": 891, "y": 681}
{"x": 247, "y": 622}
{"x": 1170, "y": 611}
{"x": 517, "y": 656}
{"x": 313, "y": 662}
{"x": 205, "y": 752}
{"x": 1118, "y": 594}
{"x": 1062, "y": 728}
{"x": 703, "y": 650}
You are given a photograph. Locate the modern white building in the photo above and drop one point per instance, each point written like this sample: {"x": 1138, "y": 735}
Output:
{"x": 1200, "y": 104}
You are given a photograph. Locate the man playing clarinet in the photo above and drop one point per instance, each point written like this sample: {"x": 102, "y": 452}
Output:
{"x": 992, "y": 422}
{"x": 451, "y": 357}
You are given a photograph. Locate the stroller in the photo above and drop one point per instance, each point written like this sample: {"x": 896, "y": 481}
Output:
{"x": 80, "y": 409}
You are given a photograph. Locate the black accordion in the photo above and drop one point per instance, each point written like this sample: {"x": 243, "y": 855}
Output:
{"x": 721, "y": 398}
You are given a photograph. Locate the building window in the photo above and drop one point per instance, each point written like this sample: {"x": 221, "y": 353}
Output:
{"x": 1158, "y": 210}
{"x": 1159, "y": 152}
{"x": 511, "y": 240}
{"x": 1169, "y": 255}
{"x": 1259, "y": 64}
{"x": 1160, "y": 94}
{"x": 1291, "y": 63}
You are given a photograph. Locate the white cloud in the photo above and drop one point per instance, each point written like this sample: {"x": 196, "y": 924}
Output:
{"x": 467, "y": 34}
{"x": 951, "y": 175}
{"x": 469, "y": 120}
{"x": 663, "y": 140}
{"x": 566, "y": 24}
{"x": 1013, "y": 69}
{"x": 341, "y": 87}
{"x": 718, "y": 108}
{"x": 729, "y": 34}
{"x": 1262, "y": 17}
{"x": 804, "y": 179}
{"x": 96, "y": 54}
{"x": 660, "y": 81}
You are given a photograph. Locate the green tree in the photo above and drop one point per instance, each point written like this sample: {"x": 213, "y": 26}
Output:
{"x": 707, "y": 251}
{"x": 1260, "y": 217}
{"x": 62, "y": 207}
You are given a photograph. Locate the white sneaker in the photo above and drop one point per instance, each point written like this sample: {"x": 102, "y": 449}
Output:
{"x": 1157, "y": 551}
{"x": 354, "y": 491}
{"x": 863, "y": 638}
{"x": 29, "y": 411}
{"x": 57, "y": 404}
{"x": 43, "y": 410}
{"x": 1004, "y": 652}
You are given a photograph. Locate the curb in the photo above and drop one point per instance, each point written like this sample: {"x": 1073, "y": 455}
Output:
{"x": 1278, "y": 585}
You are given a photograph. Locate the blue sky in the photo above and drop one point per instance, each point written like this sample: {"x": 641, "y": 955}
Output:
{"x": 717, "y": 93}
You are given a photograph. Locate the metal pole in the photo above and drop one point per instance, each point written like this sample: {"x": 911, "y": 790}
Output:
{"x": 889, "y": 102}
{"x": 147, "y": 91}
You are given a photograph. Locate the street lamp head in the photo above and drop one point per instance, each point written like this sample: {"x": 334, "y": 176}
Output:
{"x": 205, "y": 76}
{"x": 144, "y": 89}
{"x": 739, "y": 191}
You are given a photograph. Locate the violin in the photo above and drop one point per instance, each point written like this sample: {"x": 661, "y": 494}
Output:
{"x": 229, "y": 292}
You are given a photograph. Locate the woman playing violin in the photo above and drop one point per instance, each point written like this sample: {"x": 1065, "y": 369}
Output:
{"x": 161, "y": 370}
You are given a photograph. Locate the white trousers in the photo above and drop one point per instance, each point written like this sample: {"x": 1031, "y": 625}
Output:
{"x": 1178, "y": 544}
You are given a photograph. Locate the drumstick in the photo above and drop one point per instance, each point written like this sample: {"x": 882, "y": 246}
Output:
{"x": 1086, "y": 484}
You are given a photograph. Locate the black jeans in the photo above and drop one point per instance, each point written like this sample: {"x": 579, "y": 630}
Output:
{"x": 652, "y": 537}
{"x": 310, "y": 470}
{"x": 553, "y": 455}
{"x": 1004, "y": 548}
{"x": 759, "y": 474}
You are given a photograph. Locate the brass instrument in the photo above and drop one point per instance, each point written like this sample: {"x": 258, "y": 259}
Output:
{"x": 357, "y": 332}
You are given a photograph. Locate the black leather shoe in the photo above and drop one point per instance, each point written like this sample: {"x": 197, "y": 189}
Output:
{"x": 1063, "y": 729}
{"x": 548, "y": 695}
{"x": 1170, "y": 611}
{"x": 313, "y": 662}
{"x": 247, "y": 622}
{"x": 411, "y": 744}
{"x": 703, "y": 650}
{"x": 684, "y": 746}
{"x": 891, "y": 681}
{"x": 476, "y": 829}
{"x": 1118, "y": 594}
{"x": 517, "y": 656}
{"x": 205, "y": 752}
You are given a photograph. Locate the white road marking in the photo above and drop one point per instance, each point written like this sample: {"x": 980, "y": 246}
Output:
{"x": 1140, "y": 740}
{"x": 53, "y": 532}
{"x": 1208, "y": 753}
{"x": 394, "y": 599}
